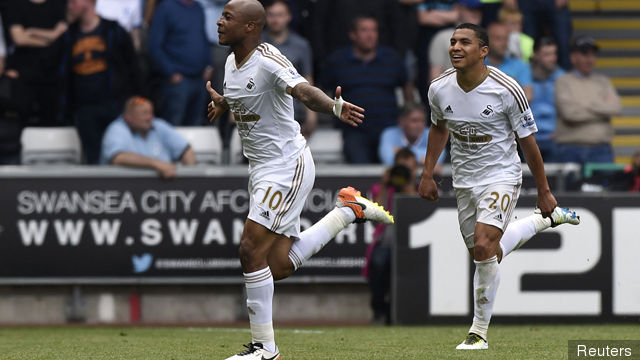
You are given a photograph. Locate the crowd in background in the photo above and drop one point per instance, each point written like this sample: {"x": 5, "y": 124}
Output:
{"x": 76, "y": 62}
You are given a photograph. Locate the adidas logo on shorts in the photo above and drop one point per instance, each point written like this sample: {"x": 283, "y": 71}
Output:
{"x": 448, "y": 110}
{"x": 498, "y": 217}
{"x": 265, "y": 214}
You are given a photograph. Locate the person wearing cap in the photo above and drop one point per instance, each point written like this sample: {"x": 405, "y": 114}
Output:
{"x": 585, "y": 102}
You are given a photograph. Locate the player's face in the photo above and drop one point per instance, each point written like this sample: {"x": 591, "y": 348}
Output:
{"x": 365, "y": 35}
{"x": 140, "y": 117}
{"x": 230, "y": 25}
{"x": 465, "y": 50}
{"x": 278, "y": 17}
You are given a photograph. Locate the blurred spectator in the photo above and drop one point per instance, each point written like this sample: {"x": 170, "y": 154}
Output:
{"x": 498, "y": 57}
{"x": 469, "y": 11}
{"x": 219, "y": 53}
{"x": 128, "y": 13}
{"x": 368, "y": 74}
{"x": 545, "y": 72}
{"x": 297, "y": 50}
{"x": 138, "y": 139}
{"x": 398, "y": 179}
{"x": 555, "y": 17}
{"x": 432, "y": 17}
{"x": 585, "y": 102}
{"x": 333, "y": 19}
{"x": 213, "y": 12}
{"x": 35, "y": 27}
{"x": 633, "y": 172}
{"x": 490, "y": 9}
{"x": 101, "y": 72}
{"x": 520, "y": 45}
{"x": 410, "y": 133}
{"x": 179, "y": 48}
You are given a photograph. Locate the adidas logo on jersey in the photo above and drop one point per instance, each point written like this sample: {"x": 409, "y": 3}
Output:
{"x": 448, "y": 110}
{"x": 265, "y": 214}
{"x": 498, "y": 217}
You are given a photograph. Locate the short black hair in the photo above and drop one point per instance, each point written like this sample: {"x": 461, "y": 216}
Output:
{"x": 404, "y": 153}
{"x": 543, "y": 41}
{"x": 481, "y": 33}
{"x": 270, "y": 3}
{"x": 356, "y": 19}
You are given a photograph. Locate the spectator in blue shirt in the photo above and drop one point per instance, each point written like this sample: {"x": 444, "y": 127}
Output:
{"x": 179, "y": 48}
{"x": 411, "y": 132}
{"x": 517, "y": 69}
{"x": 369, "y": 75}
{"x": 138, "y": 139}
{"x": 545, "y": 71}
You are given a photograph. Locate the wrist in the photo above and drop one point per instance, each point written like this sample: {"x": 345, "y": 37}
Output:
{"x": 544, "y": 191}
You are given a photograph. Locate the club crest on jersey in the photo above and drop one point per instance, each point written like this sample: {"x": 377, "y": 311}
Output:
{"x": 250, "y": 85}
{"x": 487, "y": 112}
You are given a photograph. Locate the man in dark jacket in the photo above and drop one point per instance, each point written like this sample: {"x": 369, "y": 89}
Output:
{"x": 101, "y": 70}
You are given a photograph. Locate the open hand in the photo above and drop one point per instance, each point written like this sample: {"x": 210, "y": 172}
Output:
{"x": 350, "y": 114}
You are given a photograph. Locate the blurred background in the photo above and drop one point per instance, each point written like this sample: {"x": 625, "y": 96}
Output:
{"x": 86, "y": 238}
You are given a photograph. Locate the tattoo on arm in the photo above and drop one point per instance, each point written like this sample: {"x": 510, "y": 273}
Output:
{"x": 313, "y": 98}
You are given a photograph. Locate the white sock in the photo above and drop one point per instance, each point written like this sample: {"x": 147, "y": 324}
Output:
{"x": 259, "y": 286}
{"x": 520, "y": 231}
{"x": 485, "y": 285}
{"x": 317, "y": 236}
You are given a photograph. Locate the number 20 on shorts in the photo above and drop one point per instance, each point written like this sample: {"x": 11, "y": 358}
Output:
{"x": 504, "y": 203}
{"x": 275, "y": 200}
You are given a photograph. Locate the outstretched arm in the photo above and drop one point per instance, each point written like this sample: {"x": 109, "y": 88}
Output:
{"x": 316, "y": 100}
{"x": 546, "y": 201}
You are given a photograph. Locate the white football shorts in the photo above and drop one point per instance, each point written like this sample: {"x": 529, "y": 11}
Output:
{"x": 278, "y": 194}
{"x": 491, "y": 204}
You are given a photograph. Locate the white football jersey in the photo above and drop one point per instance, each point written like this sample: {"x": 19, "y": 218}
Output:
{"x": 257, "y": 97}
{"x": 482, "y": 123}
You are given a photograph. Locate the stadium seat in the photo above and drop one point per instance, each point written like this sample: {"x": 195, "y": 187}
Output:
{"x": 235, "y": 148}
{"x": 50, "y": 145}
{"x": 326, "y": 146}
{"x": 205, "y": 142}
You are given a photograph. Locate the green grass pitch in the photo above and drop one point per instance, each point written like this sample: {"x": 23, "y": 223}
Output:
{"x": 308, "y": 343}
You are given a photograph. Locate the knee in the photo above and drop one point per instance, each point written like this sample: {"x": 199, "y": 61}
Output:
{"x": 281, "y": 272}
{"x": 250, "y": 258}
{"x": 483, "y": 249}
